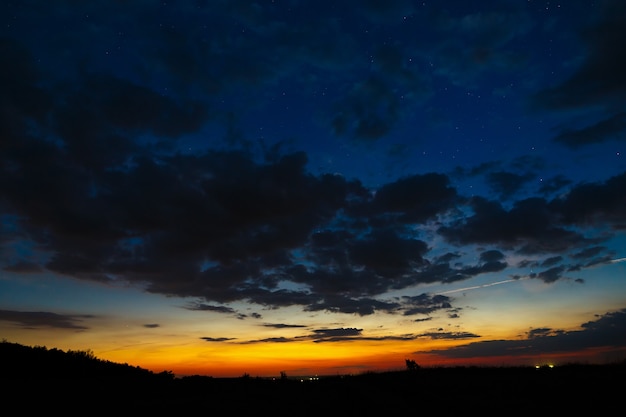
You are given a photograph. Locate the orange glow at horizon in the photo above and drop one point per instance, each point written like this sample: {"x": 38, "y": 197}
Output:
{"x": 304, "y": 358}
{"x": 233, "y": 360}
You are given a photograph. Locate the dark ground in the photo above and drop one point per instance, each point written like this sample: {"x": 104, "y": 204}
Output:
{"x": 43, "y": 381}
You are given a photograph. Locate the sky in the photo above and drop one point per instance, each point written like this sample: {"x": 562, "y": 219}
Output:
{"x": 230, "y": 188}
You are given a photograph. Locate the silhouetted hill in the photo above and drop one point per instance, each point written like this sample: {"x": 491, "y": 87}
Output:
{"x": 19, "y": 361}
{"x": 41, "y": 379}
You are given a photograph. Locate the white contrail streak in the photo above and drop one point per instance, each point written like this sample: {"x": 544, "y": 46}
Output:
{"x": 482, "y": 286}
{"x": 476, "y": 287}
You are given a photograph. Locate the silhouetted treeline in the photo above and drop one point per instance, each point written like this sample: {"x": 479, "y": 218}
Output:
{"x": 19, "y": 361}
{"x": 67, "y": 381}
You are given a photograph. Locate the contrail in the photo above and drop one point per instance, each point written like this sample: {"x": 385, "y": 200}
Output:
{"x": 482, "y": 286}
{"x": 476, "y": 287}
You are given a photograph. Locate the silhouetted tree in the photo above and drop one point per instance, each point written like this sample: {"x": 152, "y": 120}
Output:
{"x": 411, "y": 365}
{"x": 166, "y": 375}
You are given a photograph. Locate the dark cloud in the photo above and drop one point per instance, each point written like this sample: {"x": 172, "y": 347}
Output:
{"x": 39, "y": 319}
{"x": 543, "y": 332}
{"x": 479, "y": 169}
{"x": 207, "y": 307}
{"x": 440, "y": 335}
{"x": 223, "y": 226}
{"x": 95, "y": 178}
{"x": 425, "y": 304}
{"x": 550, "y": 275}
{"x": 106, "y": 102}
{"x": 283, "y": 326}
{"x": 363, "y": 338}
{"x": 596, "y": 260}
{"x": 387, "y": 254}
{"x": 321, "y": 336}
{"x": 612, "y": 128}
{"x": 594, "y": 203}
{"x": 594, "y": 334}
{"x": 22, "y": 99}
{"x": 598, "y": 83}
{"x": 271, "y": 340}
{"x": 530, "y": 226}
{"x": 509, "y": 179}
{"x": 340, "y": 332}
{"x": 554, "y": 184}
{"x": 602, "y": 333}
{"x": 368, "y": 112}
{"x": 553, "y": 260}
{"x": 24, "y": 267}
{"x": 489, "y": 261}
{"x": 423, "y": 319}
{"x": 217, "y": 339}
{"x": 507, "y": 184}
{"x": 474, "y": 44}
{"x": 279, "y": 298}
{"x": 362, "y": 306}
{"x": 600, "y": 78}
{"x": 491, "y": 256}
{"x": 415, "y": 198}
{"x": 588, "y": 252}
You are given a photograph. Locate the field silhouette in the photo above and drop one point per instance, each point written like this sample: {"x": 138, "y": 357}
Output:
{"x": 38, "y": 379}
